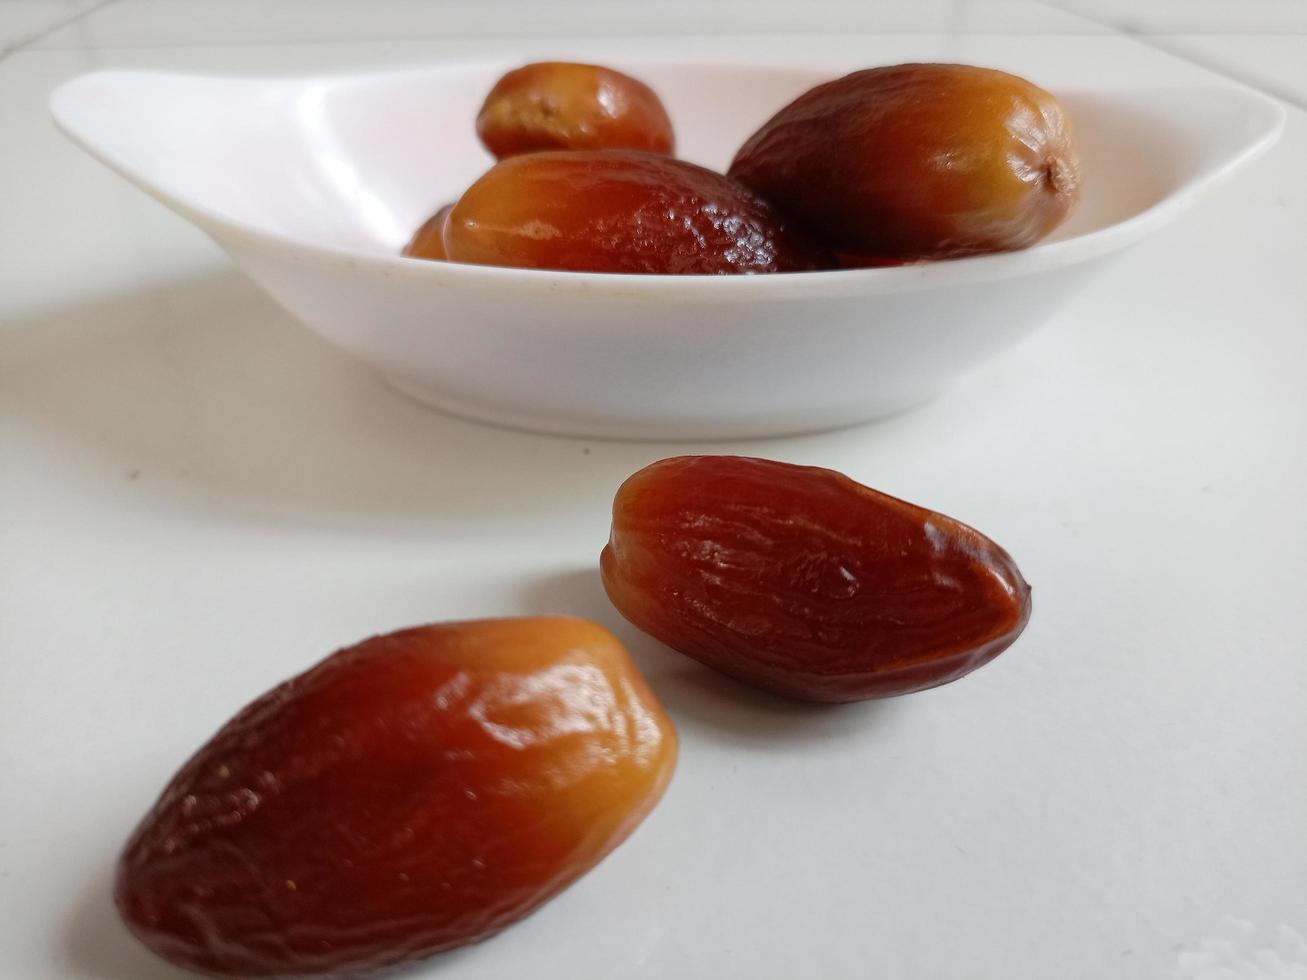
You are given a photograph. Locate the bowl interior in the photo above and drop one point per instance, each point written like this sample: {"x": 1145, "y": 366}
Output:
{"x": 358, "y": 162}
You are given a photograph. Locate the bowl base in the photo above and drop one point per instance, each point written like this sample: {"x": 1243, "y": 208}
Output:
{"x": 637, "y": 430}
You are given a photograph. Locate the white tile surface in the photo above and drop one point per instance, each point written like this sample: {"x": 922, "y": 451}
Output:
{"x": 198, "y": 499}
{"x": 22, "y": 21}
{"x": 1275, "y": 63}
{"x": 1217, "y": 17}
{"x": 188, "y": 22}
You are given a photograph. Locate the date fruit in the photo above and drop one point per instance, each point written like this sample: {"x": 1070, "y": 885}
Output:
{"x": 918, "y": 161}
{"x": 428, "y": 242}
{"x": 407, "y": 795}
{"x": 619, "y": 211}
{"x": 558, "y": 105}
{"x": 799, "y": 580}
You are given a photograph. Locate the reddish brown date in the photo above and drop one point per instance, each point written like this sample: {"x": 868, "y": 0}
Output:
{"x": 557, "y": 105}
{"x": 619, "y": 211}
{"x": 410, "y": 794}
{"x": 801, "y": 581}
{"x": 918, "y": 161}
{"x": 428, "y": 242}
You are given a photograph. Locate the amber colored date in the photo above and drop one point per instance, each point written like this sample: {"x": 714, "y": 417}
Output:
{"x": 558, "y": 105}
{"x": 428, "y": 242}
{"x": 620, "y": 211}
{"x": 407, "y": 795}
{"x": 918, "y": 161}
{"x": 801, "y": 581}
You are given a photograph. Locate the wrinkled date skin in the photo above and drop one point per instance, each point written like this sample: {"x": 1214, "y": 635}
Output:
{"x": 801, "y": 581}
{"x": 619, "y": 211}
{"x": 428, "y": 242}
{"x": 918, "y": 162}
{"x": 407, "y": 795}
{"x": 558, "y": 105}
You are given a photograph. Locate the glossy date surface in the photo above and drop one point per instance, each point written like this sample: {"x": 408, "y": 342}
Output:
{"x": 428, "y": 242}
{"x": 621, "y": 211}
{"x": 799, "y": 580}
{"x": 918, "y": 161}
{"x": 560, "y": 105}
{"x": 415, "y": 792}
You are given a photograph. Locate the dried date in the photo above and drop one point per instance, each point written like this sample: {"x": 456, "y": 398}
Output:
{"x": 801, "y": 581}
{"x": 410, "y": 794}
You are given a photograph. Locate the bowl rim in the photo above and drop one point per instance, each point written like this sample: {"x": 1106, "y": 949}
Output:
{"x": 931, "y": 274}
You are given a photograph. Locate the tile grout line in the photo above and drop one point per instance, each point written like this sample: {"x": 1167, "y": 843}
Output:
{"x": 550, "y": 38}
{"x": 27, "y": 42}
{"x": 1108, "y": 30}
{"x": 1265, "y": 86}
{"x": 1158, "y": 41}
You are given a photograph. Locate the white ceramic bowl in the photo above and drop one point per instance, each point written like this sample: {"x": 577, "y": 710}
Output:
{"x": 313, "y": 185}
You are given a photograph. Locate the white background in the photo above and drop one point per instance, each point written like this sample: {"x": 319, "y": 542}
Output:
{"x": 198, "y": 498}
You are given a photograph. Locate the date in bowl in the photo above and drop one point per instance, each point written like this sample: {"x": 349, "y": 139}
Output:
{"x": 313, "y": 185}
